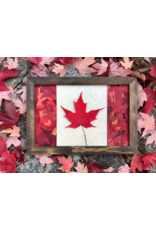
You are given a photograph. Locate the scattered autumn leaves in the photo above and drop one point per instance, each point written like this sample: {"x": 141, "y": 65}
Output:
{"x": 13, "y": 109}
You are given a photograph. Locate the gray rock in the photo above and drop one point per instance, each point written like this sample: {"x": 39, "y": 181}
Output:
{"x": 24, "y": 66}
{"x": 152, "y": 169}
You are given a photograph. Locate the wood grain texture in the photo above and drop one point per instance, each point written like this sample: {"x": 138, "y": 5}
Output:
{"x": 133, "y": 133}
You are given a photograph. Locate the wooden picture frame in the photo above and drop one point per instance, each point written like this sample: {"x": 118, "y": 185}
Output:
{"x": 133, "y": 133}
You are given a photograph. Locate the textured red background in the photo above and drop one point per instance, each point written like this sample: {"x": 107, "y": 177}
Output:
{"x": 45, "y": 116}
{"x": 118, "y": 115}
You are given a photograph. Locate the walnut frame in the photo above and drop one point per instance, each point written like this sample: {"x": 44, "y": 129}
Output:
{"x": 133, "y": 133}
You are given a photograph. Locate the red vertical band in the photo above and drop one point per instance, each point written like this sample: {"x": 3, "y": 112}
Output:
{"x": 118, "y": 115}
{"x": 45, "y": 115}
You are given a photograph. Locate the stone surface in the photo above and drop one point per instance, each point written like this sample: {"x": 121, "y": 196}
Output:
{"x": 34, "y": 166}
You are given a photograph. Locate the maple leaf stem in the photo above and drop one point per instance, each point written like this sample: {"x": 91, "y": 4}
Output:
{"x": 44, "y": 169}
{"x": 21, "y": 125}
{"x": 84, "y": 134}
{"x": 142, "y": 150}
{"x": 26, "y": 161}
{"x": 89, "y": 159}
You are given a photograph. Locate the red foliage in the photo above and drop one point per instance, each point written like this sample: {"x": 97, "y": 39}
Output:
{"x": 9, "y": 73}
{"x": 80, "y": 117}
{"x": 19, "y": 155}
{"x": 45, "y": 115}
{"x": 137, "y": 163}
{"x": 118, "y": 115}
{"x": 2, "y": 144}
{"x": 11, "y": 116}
{"x": 35, "y": 60}
{"x": 66, "y": 60}
{"x": 149, "y": 159}
{"x": 9, "y": 163}
{"x": 151, "y": 98}
{"x": 94, "y": 168}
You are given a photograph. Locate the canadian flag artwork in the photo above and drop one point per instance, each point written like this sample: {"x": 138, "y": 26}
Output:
{"x": 82, "y": 115}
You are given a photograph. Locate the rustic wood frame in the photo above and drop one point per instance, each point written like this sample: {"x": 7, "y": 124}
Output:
{"x": 133, "y": 133}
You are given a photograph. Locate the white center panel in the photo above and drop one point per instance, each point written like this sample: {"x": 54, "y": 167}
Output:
{"x": 96, "y": 98}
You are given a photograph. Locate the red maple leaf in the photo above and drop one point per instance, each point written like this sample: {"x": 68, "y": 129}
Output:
{"x": 94, "y": 168}
{"x": 3, "y": 86}
{"x": 151, "y": 98}
{"x": 35, "y": 60}
{"x": 80, "y": 117}
{"x": 9, "y": 163}
{"x": 149, "y": 159}
{"x": 19, "y": 155}
{"x": 67, "y": 163}
{"x": 9, "y": 73}
{"x": 66, "y": 60}
{"x": 137, "y": 163}
{"x": 153, "y": 70}
{"x": 2, "y": 144}
{"x": 11, "y": 116}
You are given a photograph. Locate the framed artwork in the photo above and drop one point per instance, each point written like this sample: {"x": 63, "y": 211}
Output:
{"x": 82, "y": 115}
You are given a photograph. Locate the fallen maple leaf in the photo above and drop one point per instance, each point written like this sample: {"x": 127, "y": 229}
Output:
{"x": 108, "y": 170}
{"x": 12, "y": 63}
{"x": 39, "y": 70}
{"x": 101, "y": 67}
{"x": 152, "y": 138}
{"x": 124, "y": 169}
{"x": 14, "y": 131}
{"x": 3, "y": 86}
{"x": 11, "y": 116}
{"x": 21, "y": 105}
{"x": 149, "y": 159}
{"x": 81, "y": 168}
{"x": 46, "y": 60}
{"x": 66, "y": 60}
{"x": 13, "y": 141}
{"x": 2, "y": 144}
{"x": 6, "y": 73}
{"x": 67, "y": 163}
{"x": 151, "y": 98}
{"x": 80, "y": 117}
{"x": 137, "y": 163}
{"x": 94, "y": 168}
{"x": 127, "y": 63}
{"x": 152, "y": 72}
{"x": 59, "y": 69}
{"x": 146, "y": 122}
{"x": 19, "y": 155}
{"x": 35, "y": 60}
{"x": 115, "y": 70}
{"x": 82, "y": 65}
{"x": 44, "y": 160}
{"x": 6, "y": 94}
{"x": 141, "y": 95}
{"x": 9, "y": 163}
